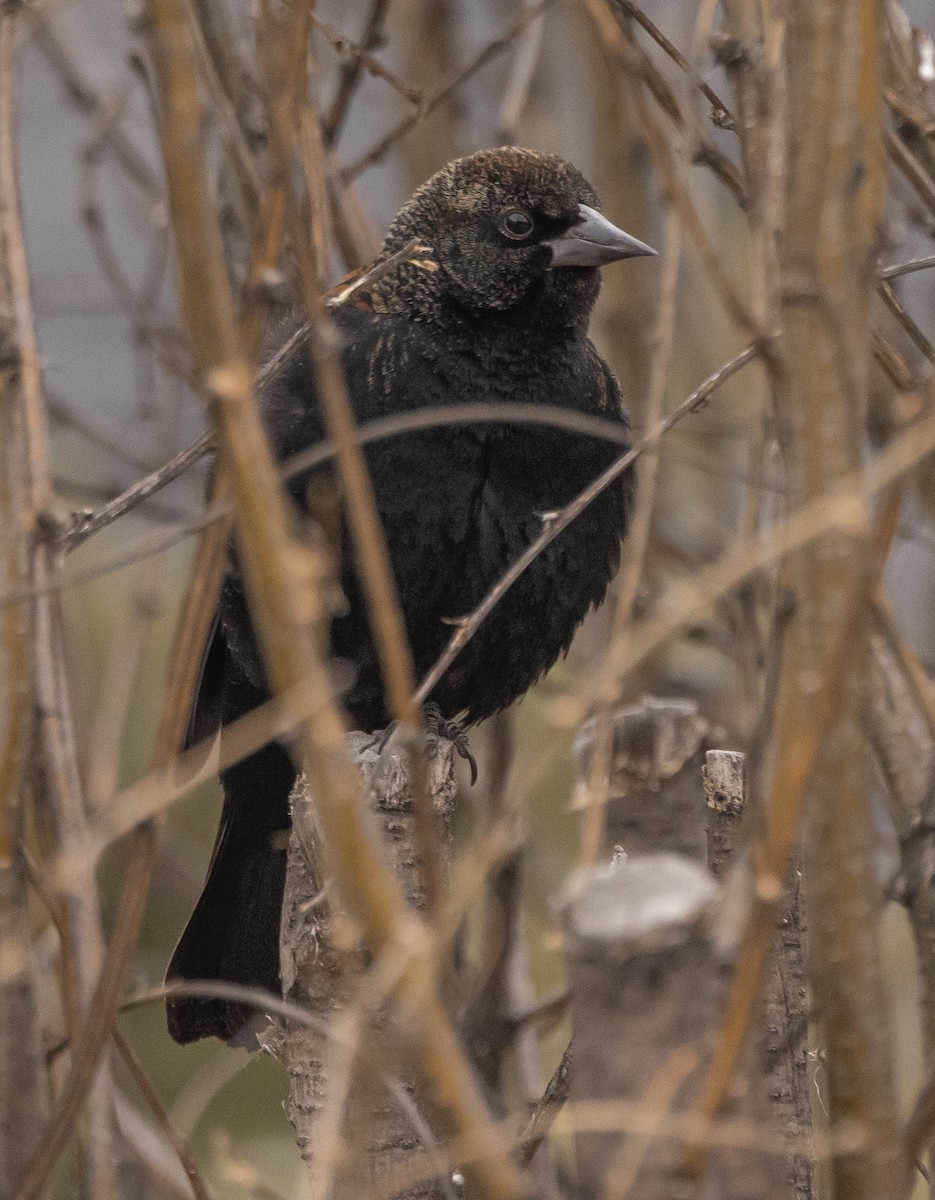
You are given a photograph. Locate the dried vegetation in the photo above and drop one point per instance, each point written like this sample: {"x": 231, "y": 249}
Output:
{"x": 721, "y": 1027}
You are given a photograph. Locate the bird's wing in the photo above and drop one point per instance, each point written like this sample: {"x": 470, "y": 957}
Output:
{"x": 205, "y": 716}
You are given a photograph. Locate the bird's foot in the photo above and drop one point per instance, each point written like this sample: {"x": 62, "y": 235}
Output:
{"x": 438, "y": 726}
{"x": 455, "y": 733}
{"x": 381, "y": 739}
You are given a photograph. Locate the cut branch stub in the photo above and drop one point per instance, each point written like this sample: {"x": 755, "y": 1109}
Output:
{"x": 648, "y": 985}
{"x": 723, "y": 776}
{"x": 777, "y": 1067}
{"x": 654, "y": 788}
{"x": 323, "y": 970}
{"x": 645, "y": 984}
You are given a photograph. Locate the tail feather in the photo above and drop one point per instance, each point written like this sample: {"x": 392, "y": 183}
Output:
{"x": 233, "y": 934}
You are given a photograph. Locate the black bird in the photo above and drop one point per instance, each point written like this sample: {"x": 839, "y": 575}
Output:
{"x": 496, "y": 308}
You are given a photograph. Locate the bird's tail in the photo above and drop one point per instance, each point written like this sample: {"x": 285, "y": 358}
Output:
{"x": 233, "y": 934}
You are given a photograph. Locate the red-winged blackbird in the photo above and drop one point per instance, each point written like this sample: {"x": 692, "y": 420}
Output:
{"x": 495, "y": 309}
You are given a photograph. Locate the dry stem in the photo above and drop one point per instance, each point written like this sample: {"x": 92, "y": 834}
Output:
{"x": 284, "y": 582}
{"x": 61, "y": 802}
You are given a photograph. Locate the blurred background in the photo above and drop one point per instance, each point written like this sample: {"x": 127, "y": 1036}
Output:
{"x": 114, "y": 360}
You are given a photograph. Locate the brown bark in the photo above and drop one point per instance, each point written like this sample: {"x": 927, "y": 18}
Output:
{"x": 654, "y": 792}
{"x": 834, "y": 189}
{"x": 648, "y": 983}
{"x": 322, "y": 970}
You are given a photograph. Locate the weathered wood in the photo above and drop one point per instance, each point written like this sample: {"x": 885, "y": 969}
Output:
{"x": 648, "y": 985}
{"x": 657, "y": 804}
{"x": 723, "y": 778}
{"x": 322, "y": 970}
{"x": 645, "y": 984}
{"x": 656, "y": 744}
{"x": 776, "y": 1074}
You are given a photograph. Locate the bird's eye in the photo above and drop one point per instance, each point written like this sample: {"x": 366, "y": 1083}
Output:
{"x": 517, "y": 225}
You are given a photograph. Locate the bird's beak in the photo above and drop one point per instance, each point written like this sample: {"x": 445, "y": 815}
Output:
{"x": 593, "y": 241}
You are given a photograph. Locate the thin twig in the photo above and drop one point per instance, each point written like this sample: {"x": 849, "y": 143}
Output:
{"x": 59, "y": 789}
{"x": 172, "y": 1136}
{"x": 636, "y": 1119}
{"x": 892, "y": 302}
{"x": 915, "y": 674}
{"x": 451, "y": 414}
{"x": 489, "y": 52}
{"x": 359, "y": 56}
{"x": 911, "y": 168}
{"x": 892, "y": 362}
{"x": 468, "y": 625}
{"x": 351, "y": 72}
{"x": 85, "y": 525}
{"x": 721, "y": 114}
{"x": 543, "y": 1117}
{"x": 238, "y": 993}
{"x": 906, "y": 268}
{"x": 324, "y": 451}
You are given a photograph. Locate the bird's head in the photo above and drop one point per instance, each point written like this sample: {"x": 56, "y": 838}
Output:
{"x": 510, "y": 233}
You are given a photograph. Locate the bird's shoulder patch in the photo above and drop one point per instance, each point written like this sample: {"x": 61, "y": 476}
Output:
{"x": 360, "y": 298}
{"x": 370, "y": 297}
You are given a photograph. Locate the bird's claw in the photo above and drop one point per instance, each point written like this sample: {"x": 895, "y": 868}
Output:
{"x": 454, "y": 732}
{"x": 380, "y": 739}
{"x": 439, "y": 726}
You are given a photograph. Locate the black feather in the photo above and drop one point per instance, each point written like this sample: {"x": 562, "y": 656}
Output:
{"x": 475, "y": 318}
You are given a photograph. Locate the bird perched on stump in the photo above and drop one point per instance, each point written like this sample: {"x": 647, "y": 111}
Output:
{"x": 494, "y": 307}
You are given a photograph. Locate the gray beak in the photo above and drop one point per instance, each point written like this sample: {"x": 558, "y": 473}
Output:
{"x": 593, "y": 241}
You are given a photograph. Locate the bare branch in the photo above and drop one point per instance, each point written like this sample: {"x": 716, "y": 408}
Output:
{"x": 491, "y": 51}
{"x": 284, "y": 581}
{"x": 178, "y": 1143}
{"x": 60, "y": 802}
{"x": 349, "y": 79}
{"x": 720, "y": 113}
